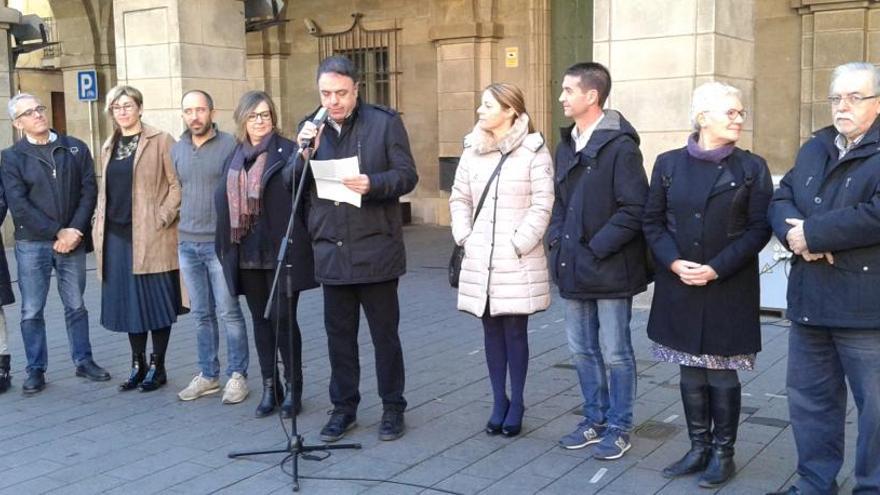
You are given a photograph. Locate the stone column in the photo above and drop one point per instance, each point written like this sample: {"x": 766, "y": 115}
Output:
{"x": 167, "y": 47}
{"x": 656, "y": 65}
{"x": 7, "y": 18}
{"x": 465, "y": 56}
{"x": 833, "y": 32}
{"x": 267, "y": 54}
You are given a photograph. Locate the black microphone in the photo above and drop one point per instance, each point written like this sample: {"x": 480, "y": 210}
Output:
{"x": 318, "y": 119}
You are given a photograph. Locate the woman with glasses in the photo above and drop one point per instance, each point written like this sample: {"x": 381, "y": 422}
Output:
{"x": 253, "y": 209}
{"x": 135, "y": 236}
{"x": 504, "y": 275}
{"x": 706, "y": 221}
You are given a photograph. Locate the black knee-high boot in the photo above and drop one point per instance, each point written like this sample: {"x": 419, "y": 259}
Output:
{"x": 725, "y": 406}
{"x": 5, "y": 377}
{"x": 695, "y": 398}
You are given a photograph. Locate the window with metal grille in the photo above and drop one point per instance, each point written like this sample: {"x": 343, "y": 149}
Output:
{"x": 374, "y": 53}
{"x": 51, "y": 51}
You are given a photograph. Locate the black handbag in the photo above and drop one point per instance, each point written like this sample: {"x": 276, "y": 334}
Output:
{"x": 458, "y": 251}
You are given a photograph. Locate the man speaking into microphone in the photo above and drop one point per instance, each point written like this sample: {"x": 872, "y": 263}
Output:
{"x": 359, "y": 251}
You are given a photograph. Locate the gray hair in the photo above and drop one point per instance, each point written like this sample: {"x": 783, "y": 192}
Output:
{"x": 849, "y": 68}
{"x": 118, "y": 92}
{"x": 10, "y": 107}
{"x": 706, "y": 95}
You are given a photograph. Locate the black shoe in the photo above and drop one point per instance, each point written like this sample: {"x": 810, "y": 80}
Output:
{"x": 725, "y": 406}
{"x": 493, "y": 429}
{"x": 271, "y": 398}
{"x": 512, "y": 425}
{"x": 36, "y": 382}
{"x": 695, "y": 399}
{"x": 138, "y": 371}
{"x": 392, "y": 426}
{"x": 292, "y": 404}
{"x": 5, "y": 377}
{"x": 792, "y": 490}
{"x": 92, "y": 371}
{"x": 337, "y": 425}
{"x": 156, "y": 375}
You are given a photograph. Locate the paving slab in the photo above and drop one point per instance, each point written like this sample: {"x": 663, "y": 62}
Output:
{"x": 80, "y": 437}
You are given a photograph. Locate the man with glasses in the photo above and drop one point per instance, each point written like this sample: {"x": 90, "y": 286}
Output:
{"x": 198, "y": 159}
{"x": 827, "y": 211}
{"x": 49, "y": 179}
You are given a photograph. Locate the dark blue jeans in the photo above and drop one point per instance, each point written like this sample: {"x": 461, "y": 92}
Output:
{"x": 821, "y": 360}
{"x": 599, "y": 339}
{"x": 36, "y": 259}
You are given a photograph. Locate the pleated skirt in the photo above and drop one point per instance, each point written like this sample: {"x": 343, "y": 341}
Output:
{"x": 135, "y": 303}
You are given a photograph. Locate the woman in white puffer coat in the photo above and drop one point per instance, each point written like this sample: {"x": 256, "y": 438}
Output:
{"x": 504, "y": 274}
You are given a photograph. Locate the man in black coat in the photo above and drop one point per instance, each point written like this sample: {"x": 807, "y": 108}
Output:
{"x": 359, "y": 252}
{"x": 597, "y": 255}
{"x": 827, "y": 211}
{"x": 49, "y": 180}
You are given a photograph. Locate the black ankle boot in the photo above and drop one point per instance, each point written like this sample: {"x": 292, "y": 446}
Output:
{"x": 725, "y": 406}
{"x": 156, "y": 376}
{"x": 695, "y": 399}
{"x": 292, "y": 400}
{"x": 271, "y": 397}
{"x": 5, "y": 377}
{"x": 138, "y": 371}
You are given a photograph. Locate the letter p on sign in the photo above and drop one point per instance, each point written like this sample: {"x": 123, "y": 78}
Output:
{"x": 87, "y": 85}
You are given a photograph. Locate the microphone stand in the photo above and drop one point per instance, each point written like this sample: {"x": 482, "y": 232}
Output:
{"x": 295, "y": 446}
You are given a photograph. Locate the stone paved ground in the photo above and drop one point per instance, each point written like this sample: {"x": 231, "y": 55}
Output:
{"x": 80, "y": 437}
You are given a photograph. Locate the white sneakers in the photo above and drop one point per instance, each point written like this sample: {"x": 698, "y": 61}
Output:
{"x": 199, "y": 387}
{"x": 235, "y": 391}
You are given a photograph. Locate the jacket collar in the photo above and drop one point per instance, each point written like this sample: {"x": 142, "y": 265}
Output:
{"x": 484, "y": 141}
{"x": 147, "y": 132}
{"x": 867, "y": 146}
{"x": 611, "y": 126}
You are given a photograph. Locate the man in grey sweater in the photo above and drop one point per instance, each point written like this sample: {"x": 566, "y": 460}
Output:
{"x": 199, "y": 159}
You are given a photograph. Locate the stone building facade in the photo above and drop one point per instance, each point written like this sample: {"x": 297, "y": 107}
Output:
{"x": 430, "y": 59}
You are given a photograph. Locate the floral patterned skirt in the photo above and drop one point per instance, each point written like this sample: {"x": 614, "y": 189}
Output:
{"x": 743, "y": 362}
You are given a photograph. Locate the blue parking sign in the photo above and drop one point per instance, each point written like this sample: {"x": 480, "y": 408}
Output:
{"x": 87, "y": 85}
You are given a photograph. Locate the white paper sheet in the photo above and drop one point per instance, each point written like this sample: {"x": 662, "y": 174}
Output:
{"x": 328, "y": 177}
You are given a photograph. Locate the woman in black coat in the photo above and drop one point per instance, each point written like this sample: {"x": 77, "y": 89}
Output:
{"x": 253, "y": 209}
{"x": 706, "y": 221}
{"x": 6, "y": 297}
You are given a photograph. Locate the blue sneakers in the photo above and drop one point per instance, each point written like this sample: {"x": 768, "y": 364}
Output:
{"x": 612, "y": 446}
{"x": 586, "y": 434}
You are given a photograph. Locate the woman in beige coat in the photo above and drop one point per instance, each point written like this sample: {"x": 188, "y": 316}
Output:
{"x": 135, "y": 236}
{"x": 504, "y": 273}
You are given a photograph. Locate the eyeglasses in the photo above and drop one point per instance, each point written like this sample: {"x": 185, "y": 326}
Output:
{"x": 31, "y": 111}
{"x": 851, "y": 99}
{"x": 732, "y": 114}
{"x": 263, "y": 116}
{"x": 126, "y": 108}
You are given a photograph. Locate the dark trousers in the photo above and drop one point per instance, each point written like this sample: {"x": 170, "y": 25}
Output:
{"x": 256, "y": 285}
{"x": 342, "y": 305}
{"x": 821, "y": 360}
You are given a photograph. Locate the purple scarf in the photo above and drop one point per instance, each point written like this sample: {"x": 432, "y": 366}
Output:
{"x": 714, "y": 156}
{"x": 243, "y": 186}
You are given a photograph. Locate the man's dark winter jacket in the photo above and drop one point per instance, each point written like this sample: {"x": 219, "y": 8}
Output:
{"x": 47, "y": 197}
{"x": 839, "y": 200}
{"x": 597, "y": 247}
{"x": 363, "y": 245}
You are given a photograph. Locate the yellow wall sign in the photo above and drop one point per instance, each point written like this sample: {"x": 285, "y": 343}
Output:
{"x": 511, "y": 56}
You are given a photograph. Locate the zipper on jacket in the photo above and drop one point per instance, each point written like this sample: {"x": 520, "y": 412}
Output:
{"x": 809, "y": 179}
{"x": 848, "y": 180}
